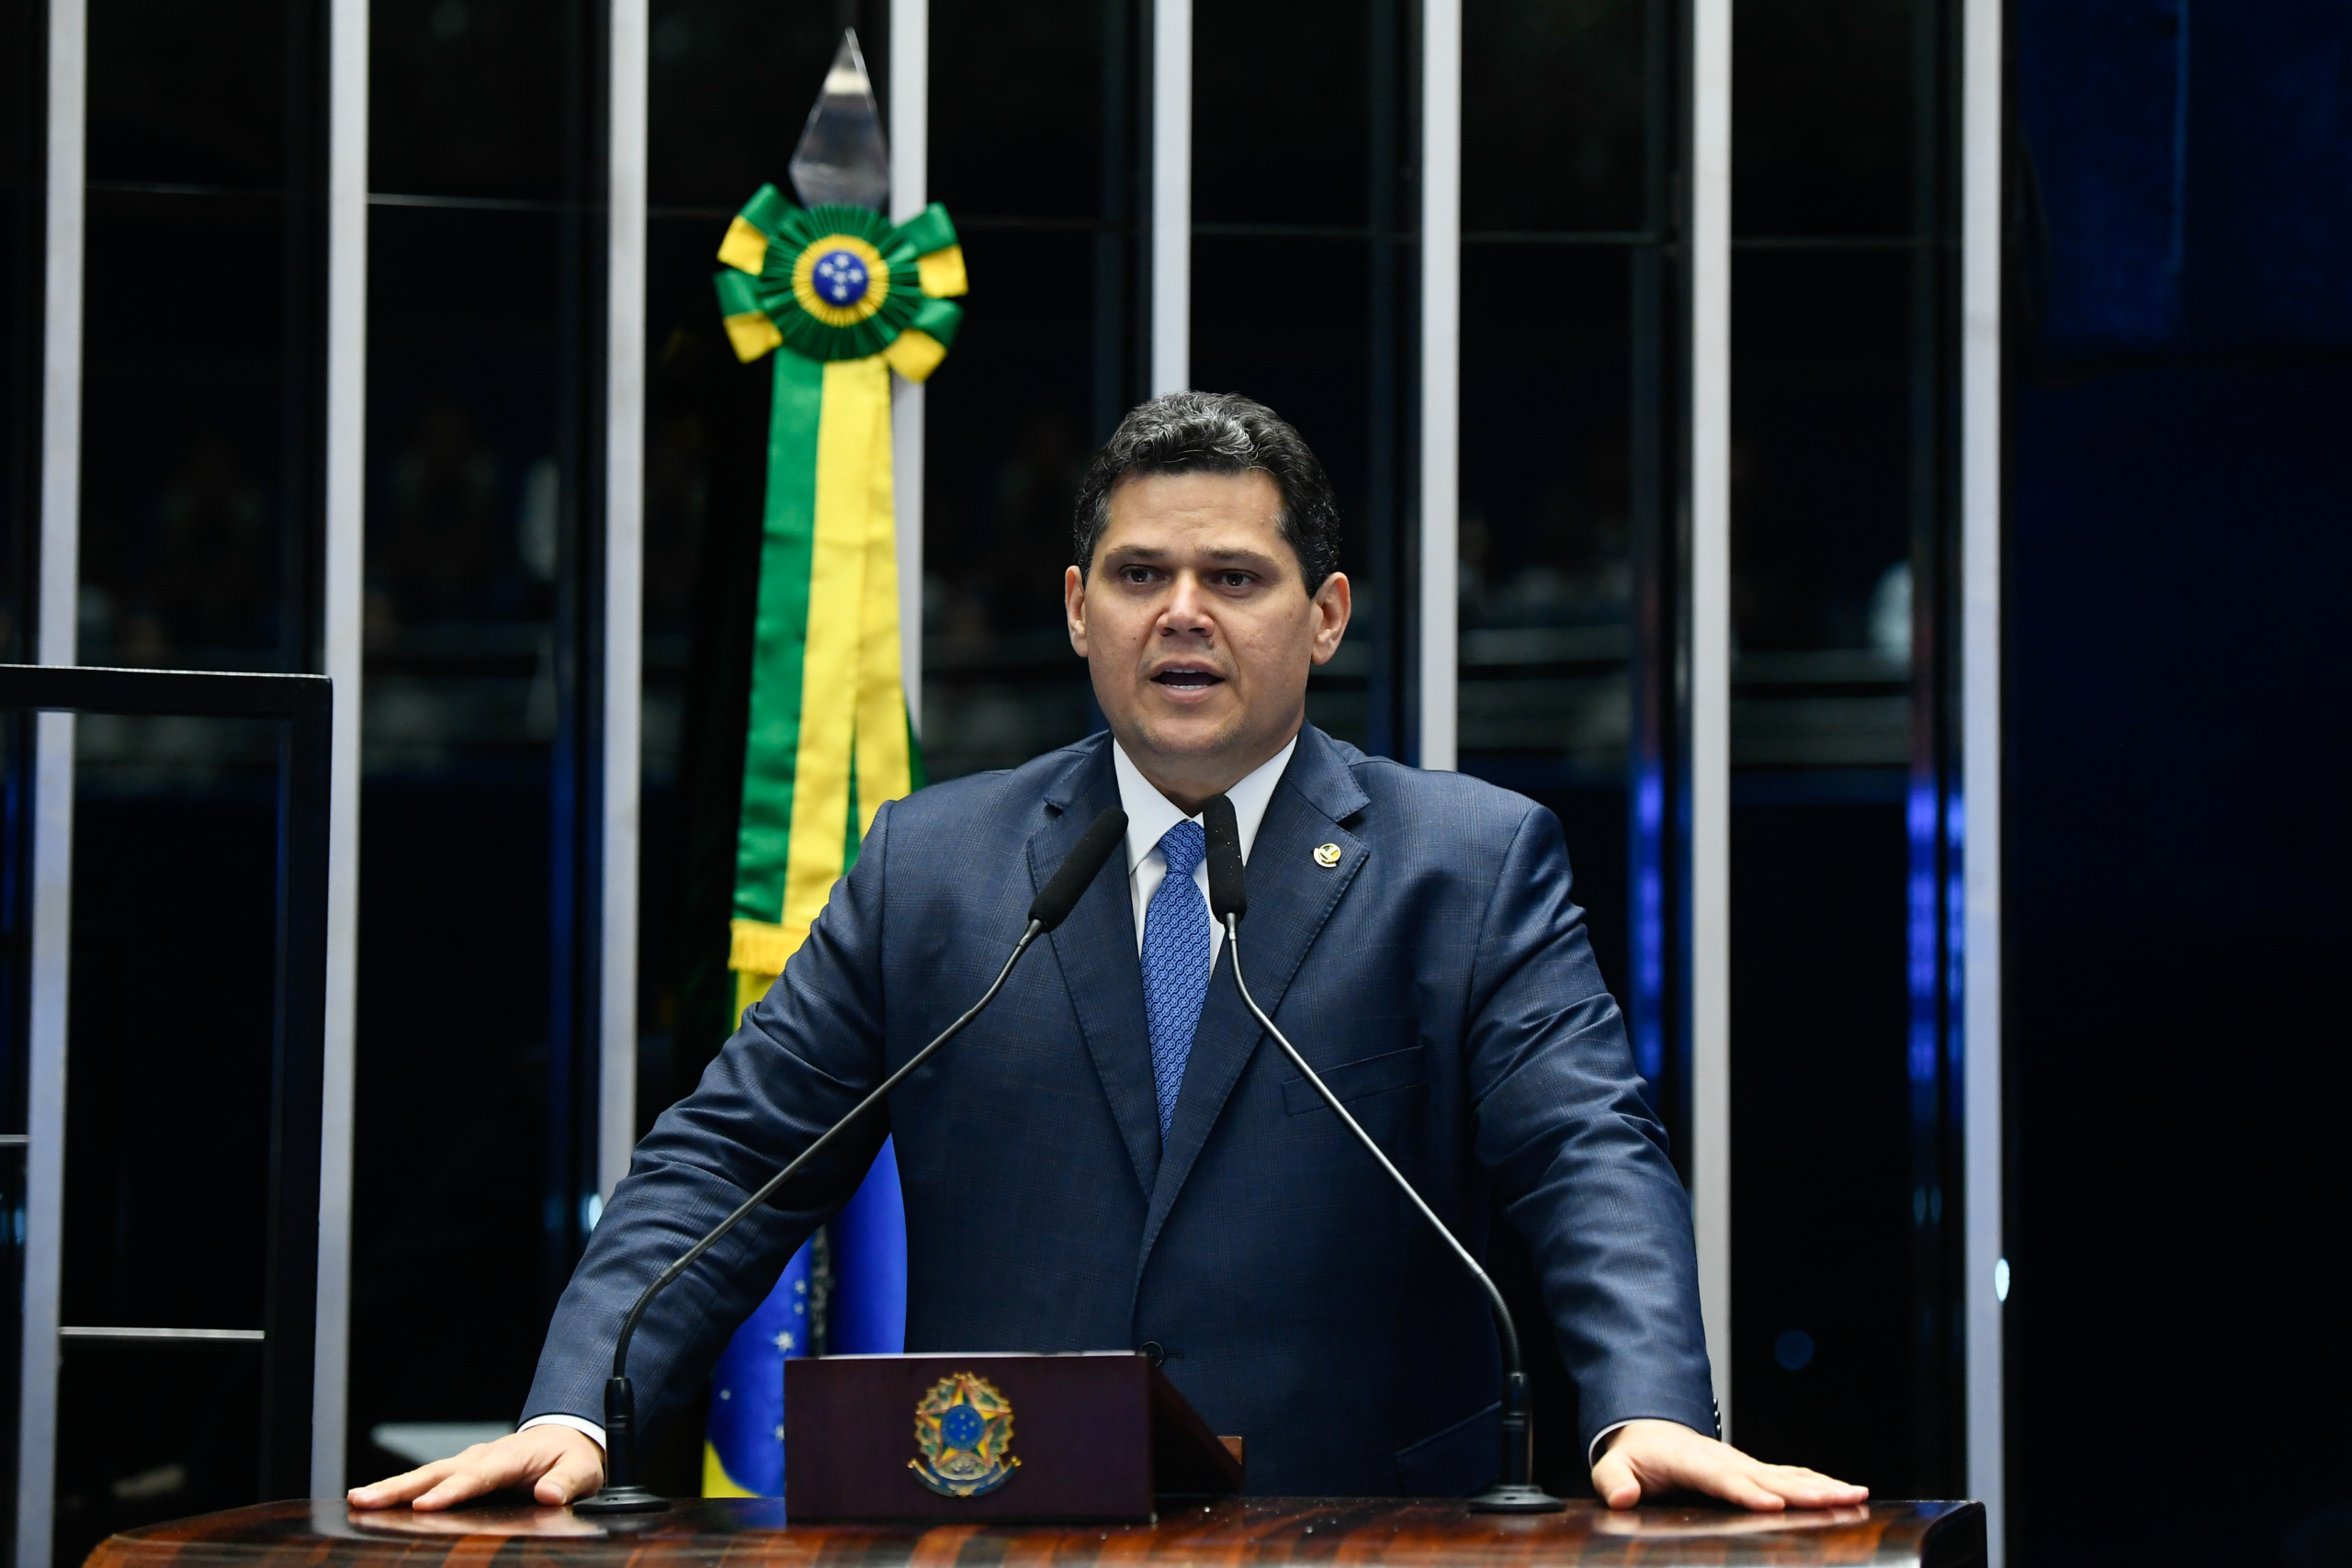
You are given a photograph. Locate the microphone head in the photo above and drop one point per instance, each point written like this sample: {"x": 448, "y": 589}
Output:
{"x": 1228, "y": 886}
{"x": 1078, "y": 868}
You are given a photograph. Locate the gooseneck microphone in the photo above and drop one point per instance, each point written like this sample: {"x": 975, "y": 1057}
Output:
{"x": 1516, "y": 1493}
{"x": 621, "y": 1493}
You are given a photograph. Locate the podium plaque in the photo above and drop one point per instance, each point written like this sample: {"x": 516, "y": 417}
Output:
{"x": 1085, "y": 1438}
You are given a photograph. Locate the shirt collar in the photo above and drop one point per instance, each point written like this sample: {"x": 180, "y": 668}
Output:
{"x": 1150, "y": 814}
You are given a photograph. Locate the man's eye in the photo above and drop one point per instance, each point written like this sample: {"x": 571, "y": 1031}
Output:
{"x": 1236, "y": 579}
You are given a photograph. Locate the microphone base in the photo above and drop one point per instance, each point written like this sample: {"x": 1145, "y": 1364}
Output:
{"x": 1516, "y": 1499}
{"x": 622, "y": 1500}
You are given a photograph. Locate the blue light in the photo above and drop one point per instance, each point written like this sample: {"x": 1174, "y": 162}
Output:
{"x": 1794, "y": 1349}
{"x": 1955, "y": 929}
{"x": 1649, "y": 923}
{"x": 1926, "y": 943}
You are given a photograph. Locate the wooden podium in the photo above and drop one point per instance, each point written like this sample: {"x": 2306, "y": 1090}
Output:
{"x": 1262, "y": 1532}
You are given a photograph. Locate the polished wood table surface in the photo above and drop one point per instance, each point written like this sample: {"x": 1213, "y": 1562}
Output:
{"x": 1233, "y": 1533}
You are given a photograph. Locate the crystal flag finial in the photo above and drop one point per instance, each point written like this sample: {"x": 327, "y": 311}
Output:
{"x": 842, "y": 157}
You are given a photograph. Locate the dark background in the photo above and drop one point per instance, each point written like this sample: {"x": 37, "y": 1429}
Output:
{"x": 2181, "y": 384}
{"x": 2179, "y": 299}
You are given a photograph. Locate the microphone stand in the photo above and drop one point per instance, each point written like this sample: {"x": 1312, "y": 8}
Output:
{"x": 1516, "y": 1493}
{"x": 621, "y": 1492}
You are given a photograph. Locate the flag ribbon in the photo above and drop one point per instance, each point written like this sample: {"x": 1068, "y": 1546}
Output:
{"x": 841, "y": 298}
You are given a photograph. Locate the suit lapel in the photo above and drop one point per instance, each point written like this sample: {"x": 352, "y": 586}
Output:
{"x": 1096, "y": 950}
{"x": 1291, "y": 895}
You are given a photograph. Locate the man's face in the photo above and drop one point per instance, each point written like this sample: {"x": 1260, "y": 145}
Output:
{"x": 1197, "y": 626}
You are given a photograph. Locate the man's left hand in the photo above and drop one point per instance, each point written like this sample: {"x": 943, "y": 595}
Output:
{"x": 1647, "y": 1459}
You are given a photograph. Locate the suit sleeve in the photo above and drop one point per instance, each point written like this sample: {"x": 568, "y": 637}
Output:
{"x": 1577, "y": 1158}
{"x": 806, "y": 1053}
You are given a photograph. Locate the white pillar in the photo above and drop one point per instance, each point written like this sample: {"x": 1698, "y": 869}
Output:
{"x": 1440, "y": 379}
{"x": 1984, "y": 1273}
{"x": 1710, "y": 677}
{"x": 1171, "y": 196}
{"x": 624, "y": 641}
{"x": 345, "y": 548}
{"x": 910, "y": 189}
{"x": 58, "y": 591}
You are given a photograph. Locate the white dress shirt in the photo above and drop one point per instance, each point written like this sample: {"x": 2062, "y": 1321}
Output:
{"x": 1150, "y": 814}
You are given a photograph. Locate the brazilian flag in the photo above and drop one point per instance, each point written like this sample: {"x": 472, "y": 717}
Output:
{"x": 840, "y": 298}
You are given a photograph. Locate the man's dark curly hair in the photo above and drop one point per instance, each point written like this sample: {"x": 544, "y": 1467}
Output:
{"x": 1214, "y": 432}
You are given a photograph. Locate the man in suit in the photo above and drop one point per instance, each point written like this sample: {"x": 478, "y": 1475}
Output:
{"x": 1112, "y": 1156}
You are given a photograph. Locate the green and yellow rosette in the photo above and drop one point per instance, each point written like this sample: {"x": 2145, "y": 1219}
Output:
{"x": 833, "y": 283}
{"x": 841, "y": 296}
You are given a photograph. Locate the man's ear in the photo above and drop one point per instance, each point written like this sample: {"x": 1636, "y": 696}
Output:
{"x": 1074, "y": 607}
{"x": 1334, "y": 602}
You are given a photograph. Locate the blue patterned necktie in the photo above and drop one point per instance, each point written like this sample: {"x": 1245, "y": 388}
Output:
{"x": 1175, "y": 962}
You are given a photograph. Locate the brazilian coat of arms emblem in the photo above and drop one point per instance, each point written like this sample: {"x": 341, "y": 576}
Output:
{"x": 964, "y": 1435}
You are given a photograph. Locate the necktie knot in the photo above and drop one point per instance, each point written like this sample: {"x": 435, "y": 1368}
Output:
{"x": 1184, "y": 846}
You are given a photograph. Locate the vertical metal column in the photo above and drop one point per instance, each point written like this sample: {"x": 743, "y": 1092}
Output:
{"x": 1171, "y": 196}
{"x": 624, "y": 638}
{"x": 909, "y": 190}
{"x": 346, "y": 548}
{"x": 1711, "y": 676}
{"x": 53, "y": 849}
{"x": 1440, "y": 655}
{"x": 1984, "y": 1277}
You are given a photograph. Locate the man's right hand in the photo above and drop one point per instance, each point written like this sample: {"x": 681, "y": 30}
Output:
{"x": 556, "y": 1462}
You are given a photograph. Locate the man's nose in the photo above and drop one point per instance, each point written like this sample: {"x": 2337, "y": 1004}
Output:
{"x": 1188, "y": 608}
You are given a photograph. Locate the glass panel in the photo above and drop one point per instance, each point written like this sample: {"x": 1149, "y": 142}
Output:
{"x": 22, "y": 117}
{"x": 167, "y": 1135}
{"x": 1822, "y": 497}
{"x": 194, "y": 504}
{"x": 1555, "y": 137}
{"x": 470, "y": 813}
{"x": 176, "y": 826}
{"x": 22, "y": 111}
{"x": 199, "y": 443}
{"x": 1822, "y": 489}
{"x": 1060, "y": 150}
{"x": 1822, "y": 1343}
{"x": 1546, "y": 496}
{"x": 1827, "y": 121}
{"x": 479, "y": 99}
{"x": 194, "y": 94}
{"x": 1840, "y": 402}
{"x": 192, "y": 1447}
{"x": 1282, "y": 103}
{"x": 730, "y": 85}
{"x": 1548, "y": 447}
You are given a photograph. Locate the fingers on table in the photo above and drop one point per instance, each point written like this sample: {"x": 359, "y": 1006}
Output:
{"x": 573, "y": 1475}
{"x": 1614, "y": 1480}
{"x": 1806, "y": 1488}
{"x": 404, "y": 1487}
{"x": 1738, "y": 1483}
{"x": 484, "y": 1468}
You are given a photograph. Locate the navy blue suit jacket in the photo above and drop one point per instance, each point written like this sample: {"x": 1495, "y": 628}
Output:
{"x": 1440, "y": 979}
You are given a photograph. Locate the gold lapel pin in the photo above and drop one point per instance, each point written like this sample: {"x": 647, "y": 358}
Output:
{"x": 1326, "y": 855}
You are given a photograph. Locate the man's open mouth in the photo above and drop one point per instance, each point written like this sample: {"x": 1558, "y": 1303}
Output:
{"x": 1188, "y": 678}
